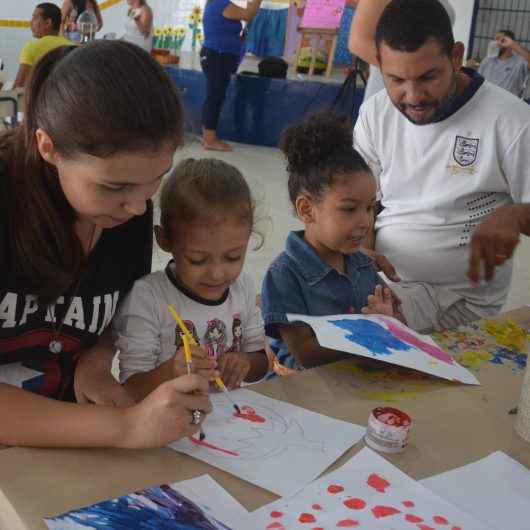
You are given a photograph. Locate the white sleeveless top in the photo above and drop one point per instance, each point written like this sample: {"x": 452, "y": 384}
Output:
{"x": 134, "y": 35}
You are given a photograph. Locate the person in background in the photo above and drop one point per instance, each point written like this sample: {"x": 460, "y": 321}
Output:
{"x": 220, "y": 57}
{"x": 76, "y": 232}
{"x": 139, "y": 24}
{"x": 361, "y": 41}
{"x": 45, "y": 25}
{"x": 508, "y": 64}
{"x": 70, "y": 11}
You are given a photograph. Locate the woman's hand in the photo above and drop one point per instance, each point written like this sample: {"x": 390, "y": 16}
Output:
{"x": 380, "y": 303}
{"x": 94, "y": 382}
{"x": 166, "y": 414}
{"x": 234, "y": 368}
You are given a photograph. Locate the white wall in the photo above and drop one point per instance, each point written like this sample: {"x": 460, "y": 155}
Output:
{"x": 464, "y": 17}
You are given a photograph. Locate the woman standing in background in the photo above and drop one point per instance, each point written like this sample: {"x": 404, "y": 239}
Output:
{"x": 139, "y": 24}
{"x": 71, "y": 9}
{"x": 220, "y": 56}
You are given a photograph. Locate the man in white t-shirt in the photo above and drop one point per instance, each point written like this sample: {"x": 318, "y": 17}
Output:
{"x": 448, "y": 149}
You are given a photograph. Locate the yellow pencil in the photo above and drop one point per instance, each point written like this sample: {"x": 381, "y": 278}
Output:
{"x": 190, "y": 340}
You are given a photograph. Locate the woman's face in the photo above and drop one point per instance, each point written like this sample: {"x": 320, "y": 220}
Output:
{"x": 110, "y": 191}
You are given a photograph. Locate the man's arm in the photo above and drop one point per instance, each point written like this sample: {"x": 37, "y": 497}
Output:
{"x": 22, "y": 75}
{"x": 362, "y": 32}
{"x": 496, "y": 239}
{"x": 516, "y": 47}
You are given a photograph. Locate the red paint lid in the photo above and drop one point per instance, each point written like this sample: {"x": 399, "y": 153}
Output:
{"x": 392, "y": 417}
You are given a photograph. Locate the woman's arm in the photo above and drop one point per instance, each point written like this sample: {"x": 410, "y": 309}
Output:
{"x": 97, "y": 12}
{"x": 164, "y": 416}
{"x": 302, "y": 343}
{"x": 144, "y": 20}
{"x": 233, "y": 12}
{"x": 362, "y": 32}
{"x": 66, "y": 9}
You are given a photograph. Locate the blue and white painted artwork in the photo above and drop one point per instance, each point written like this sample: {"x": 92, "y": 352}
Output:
{"x": 156, "y": 508}
{"x": 387, "y": 339}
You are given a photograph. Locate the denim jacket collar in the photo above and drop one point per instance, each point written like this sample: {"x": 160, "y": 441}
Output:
{"x": 311, "y": 266}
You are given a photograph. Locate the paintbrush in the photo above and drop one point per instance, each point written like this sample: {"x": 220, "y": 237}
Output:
{"x": 187, "y": 356}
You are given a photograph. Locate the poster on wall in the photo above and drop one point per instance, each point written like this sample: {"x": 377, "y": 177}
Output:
{"x": 323, "y": 14}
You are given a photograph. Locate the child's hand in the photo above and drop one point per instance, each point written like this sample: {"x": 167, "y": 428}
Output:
{"x": 202, "y": 363}
{"x": 234, "y": 367}
{"x": 380, "y": 303}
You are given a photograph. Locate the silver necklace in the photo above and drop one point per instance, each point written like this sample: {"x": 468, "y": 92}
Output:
{"x": 55, "y": 345}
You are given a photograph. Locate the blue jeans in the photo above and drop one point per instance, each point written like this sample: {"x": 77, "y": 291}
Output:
{"x": 218, "y": 68}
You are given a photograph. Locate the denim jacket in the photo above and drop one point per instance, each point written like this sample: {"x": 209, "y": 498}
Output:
{"x": 299, "y": 281}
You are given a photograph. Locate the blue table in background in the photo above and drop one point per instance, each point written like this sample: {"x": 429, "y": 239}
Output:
{"x": 257, "y": 109}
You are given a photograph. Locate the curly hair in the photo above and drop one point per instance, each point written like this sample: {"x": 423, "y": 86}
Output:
{"x": 319, "y": 150}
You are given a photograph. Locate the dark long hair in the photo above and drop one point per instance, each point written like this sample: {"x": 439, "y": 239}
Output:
{"x": 100, "y": 99}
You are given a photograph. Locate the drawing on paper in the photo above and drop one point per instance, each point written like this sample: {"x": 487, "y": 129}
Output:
{"x": 157, "y": 508}
{"x": 268, "y": 437}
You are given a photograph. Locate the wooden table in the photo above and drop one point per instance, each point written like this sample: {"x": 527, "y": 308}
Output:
{"x": 453, "y": 425}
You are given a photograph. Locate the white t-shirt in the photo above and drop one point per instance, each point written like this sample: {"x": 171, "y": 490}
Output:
{"x": 437, "y": 182}
{"x": 147, "y": 335}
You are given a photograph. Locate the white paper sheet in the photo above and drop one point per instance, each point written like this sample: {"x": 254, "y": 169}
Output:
{"x": 386, "y": 339}
{"x": 276, "y": 445}
{"x": 210, "y": 496}
{"x": 495, "y": 489}
{"x": 344, "y": 499}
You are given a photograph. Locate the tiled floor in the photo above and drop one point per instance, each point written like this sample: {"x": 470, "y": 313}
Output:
{"x": 264, "y": 170}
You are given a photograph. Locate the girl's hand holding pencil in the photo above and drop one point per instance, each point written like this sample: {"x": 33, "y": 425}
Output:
{"x": 203, "y": 364}
{"x": 234, "y": 368}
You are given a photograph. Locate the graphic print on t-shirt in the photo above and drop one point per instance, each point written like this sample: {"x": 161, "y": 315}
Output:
{"x": 215, "y": 338}
{"x": 191, "y": 328}
{"x": 237, "y": 333}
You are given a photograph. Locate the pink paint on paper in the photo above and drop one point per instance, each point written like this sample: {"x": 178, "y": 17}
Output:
{"x": 202, "y": 443}
{"x": 425, "y": 527}
{"x": 316, "y": 507}
{"x": 276, "y": 526}
{"x": 406, "y": 336}
{"x": 384, "y": 511}
{"x": 413, "y": 518}
{"x": 408, "y": 504}
{"x": 438, "y": 519}
{"x": 275, "y": 514}
{"x": 378, "y": 483}
{"x": 323, "y": 14}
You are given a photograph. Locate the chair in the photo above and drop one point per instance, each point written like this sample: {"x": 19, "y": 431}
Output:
{"x": 330, "y": 36}
{"x": 10, "y": 105}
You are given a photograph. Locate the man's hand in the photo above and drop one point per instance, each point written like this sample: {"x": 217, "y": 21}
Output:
{"x": 493, "y": 243}
{"x": 382, "y": 264}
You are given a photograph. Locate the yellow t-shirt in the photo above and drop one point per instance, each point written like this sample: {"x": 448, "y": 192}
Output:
{"x": 35, "y": 49}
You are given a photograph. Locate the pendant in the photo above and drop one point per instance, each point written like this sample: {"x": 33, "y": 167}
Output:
{"x": 55, "y": 346}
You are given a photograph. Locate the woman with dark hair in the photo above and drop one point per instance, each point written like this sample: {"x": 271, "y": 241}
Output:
{"x": 139, "y": 24}
{"x": 71, "y": 9}
{"x": 220, "y": 56}
{"x": 75, "y": 234}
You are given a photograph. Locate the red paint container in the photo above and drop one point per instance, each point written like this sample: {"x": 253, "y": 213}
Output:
{"x": 388, "y": 430}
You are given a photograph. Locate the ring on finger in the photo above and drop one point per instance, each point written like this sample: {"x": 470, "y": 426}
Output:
{"x": 196, "y": 416}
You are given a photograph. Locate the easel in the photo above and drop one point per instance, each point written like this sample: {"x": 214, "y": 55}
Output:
{"x": 329, "y": 35}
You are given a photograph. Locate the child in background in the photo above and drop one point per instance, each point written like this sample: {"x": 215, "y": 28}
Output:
{"x": 207, "y": 217}
{"x": 322, "y": 271}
